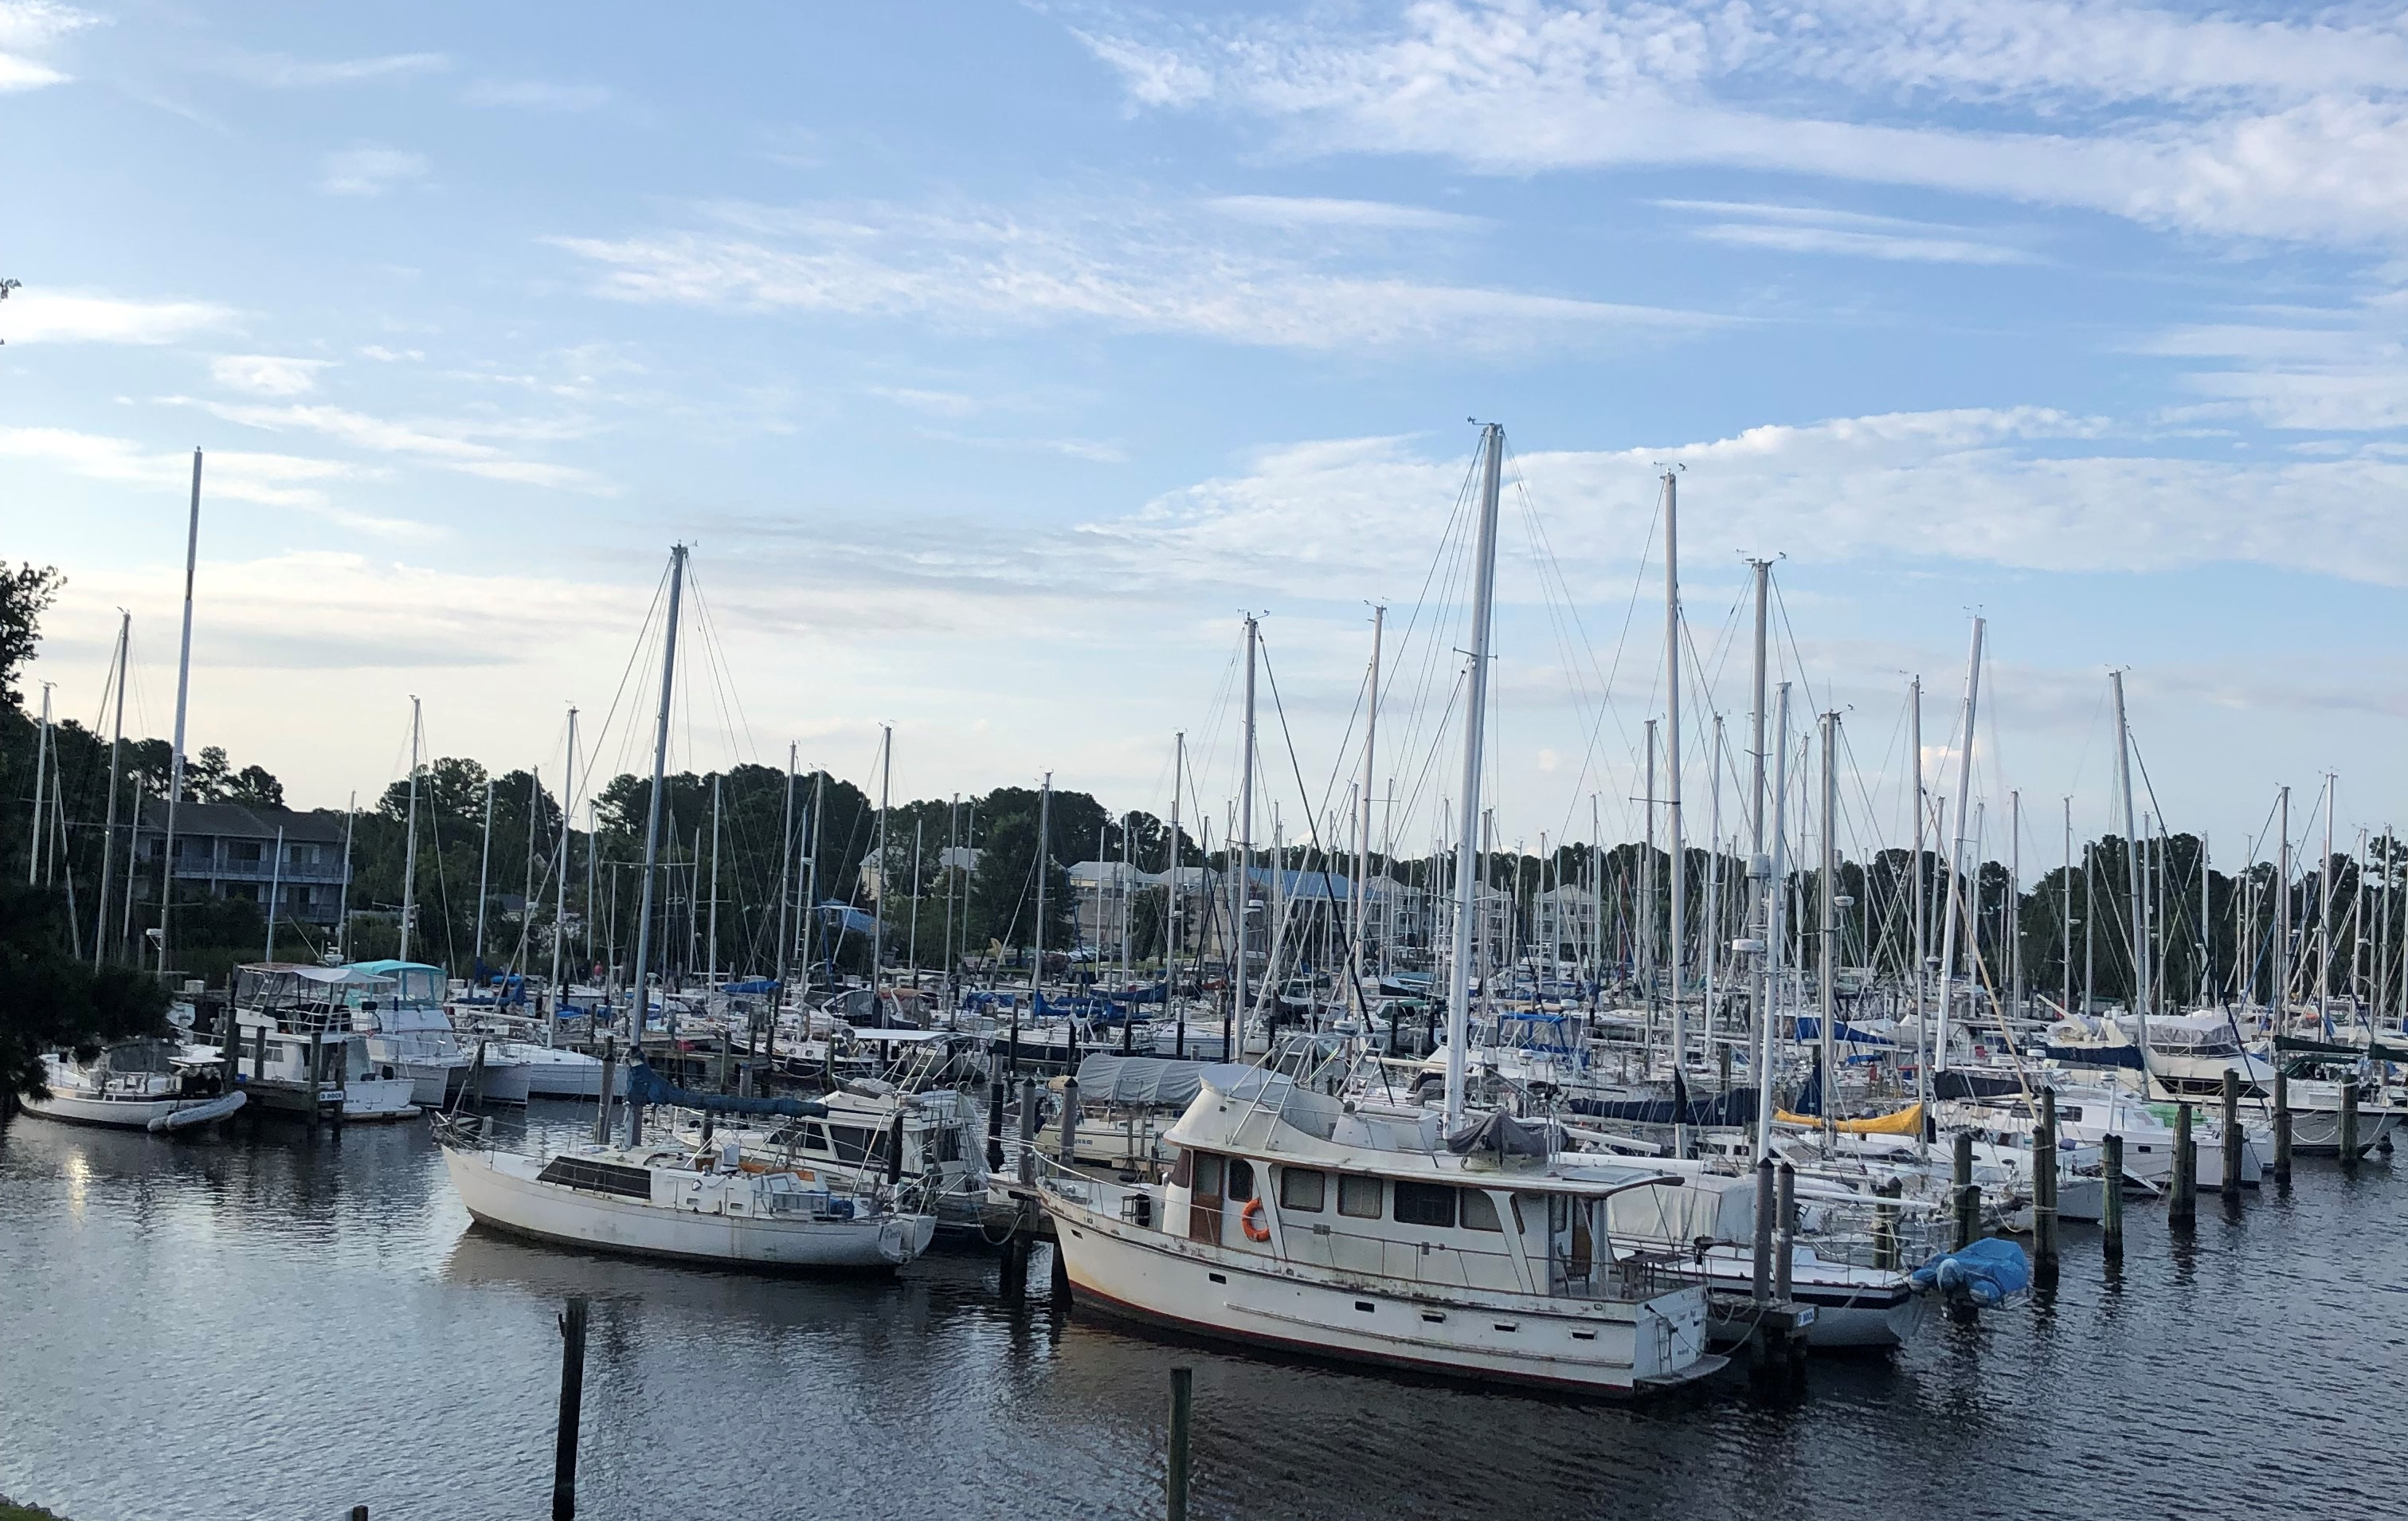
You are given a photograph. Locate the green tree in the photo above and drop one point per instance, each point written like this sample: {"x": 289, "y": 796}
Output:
{"x": 55, "y": 1000}
{"x": 27, "y": 593}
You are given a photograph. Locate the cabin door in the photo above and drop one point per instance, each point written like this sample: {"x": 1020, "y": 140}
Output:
{"x": 1204, "y": 1201}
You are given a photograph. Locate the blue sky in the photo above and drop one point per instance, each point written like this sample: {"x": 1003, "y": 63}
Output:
{"x": 993, "y": 356}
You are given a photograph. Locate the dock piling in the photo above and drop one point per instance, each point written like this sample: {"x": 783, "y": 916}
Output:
{"x": 1028, "y": 1130}
{"x": 572, "y": 1400}
{"x": 1070, "y": 1119}
{"x": 1175, "y": 1469}
{"x": 2182, "y": 1205}
{"x": 2349, "y": 1121}
{"x": 602, "y": 1105}
{"x": 2044, "y": 1187}
{"x": 1888, "y": 1250}
{"x": 1968, "y": 1193}
{"x": 2282, "y": 1129}
{"x": 1763, "y": 1283}
{"x": 1786, "y": 1211}
{"x": 2232, "y": 1136}
{"x": 994, "y": 1126}
{"x": 2111, "y": 1205}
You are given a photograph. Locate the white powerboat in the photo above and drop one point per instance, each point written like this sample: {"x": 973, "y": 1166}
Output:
{"x": 131, "y": 1086}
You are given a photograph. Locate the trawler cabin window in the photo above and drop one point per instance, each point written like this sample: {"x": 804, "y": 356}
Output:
{"x": 1359, "y": 1198}
{"x": 1425, "y": 1204}
{"x": 1182, "y": 1171}
{"x": 1208, "y": 1173}
{"x": 1241, "y": 1178}
{"x": 1302, "y": 1189}
{"x": 1480, "y": 1212}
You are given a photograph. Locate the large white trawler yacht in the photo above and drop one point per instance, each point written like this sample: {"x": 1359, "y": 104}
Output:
{"x": 1292, "y": 1220}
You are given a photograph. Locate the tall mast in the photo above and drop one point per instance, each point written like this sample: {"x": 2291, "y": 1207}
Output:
{"x": 183, "y": 689}
{"x": 343, "y": 892}
{"x": 409, "y": 832}
{"x": 1363, "y": 834}
{"x": 1775, "y": 883}
{"x": 1922, "y": 910}
{"x": 1759, "y": 868}
{"x": 484, "y": 865}
{"x": 275, "y": 885}
{"x": 108, "y": 834}
{"x": 640, "y": 1010}
{"x": 2065, "y": 1008}
{"x": 1044, "y": 836}
{"x": 1170, "y": 942}
{"x": 1828, "y": 980}
{"x": 2324, "y": 913}
{"x": 2132, "y": 867}
{"x": 1711, "y": 941}
{"x": 878, "y": 904}
{"x": 1678, "y": 875}
{"x": 1245, "y": 849}
{"x": 526, "y": 886}
{"x": 560, "y": 875}
{"x": 1956, "y": 847}
{"x": 2283, "y": 910}
{"x": 2014, "y": 902}
{"x": 785, "y": 888}
{"x": 1646, "y": 948}
{"x": 710, "y": 967}
{"x": 41, "y": 759}
{"x": 1475, "y": 715}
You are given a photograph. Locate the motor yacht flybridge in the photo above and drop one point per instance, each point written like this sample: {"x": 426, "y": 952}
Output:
{"x": 1290, "y": 1219}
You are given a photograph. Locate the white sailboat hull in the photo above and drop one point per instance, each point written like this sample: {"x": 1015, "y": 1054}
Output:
{"x": 555, "y": 1074}
{"x": 115, "y": 1114}
{"x": 1594, "y": 1345}
{"x": 500, "y": 1190}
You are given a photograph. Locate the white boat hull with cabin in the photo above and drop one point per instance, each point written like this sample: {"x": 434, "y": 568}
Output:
{"x": 739, "y": 1218}
{"x": 1603, "y": 1346}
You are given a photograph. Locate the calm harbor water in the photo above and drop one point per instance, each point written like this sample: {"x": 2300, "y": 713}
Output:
{"x": 274, "y": 1326}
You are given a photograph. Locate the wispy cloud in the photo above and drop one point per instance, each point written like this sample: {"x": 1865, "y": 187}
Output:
{"x": 2343, "y": 369}
{"x": 283, "y": 481}
{"x": 452, "y": 444}
{"x": 281, "y": 71}
{"x": 370, "y": 169}
{"x": 536, "y": 95}
{"x": 1130, "y": 267}
{"x": 2274, "y": 129}
{"x": 266, "y": 375}
{"x": 28, "y": 28}
{"x": 1327, "y": 211}
{"x": 36, "y": 314}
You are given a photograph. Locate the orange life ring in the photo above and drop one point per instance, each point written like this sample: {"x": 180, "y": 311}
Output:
{"x": 1250, "y": 1220}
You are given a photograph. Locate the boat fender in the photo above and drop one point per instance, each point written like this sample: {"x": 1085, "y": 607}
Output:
{"x": 1250, "y": 1220}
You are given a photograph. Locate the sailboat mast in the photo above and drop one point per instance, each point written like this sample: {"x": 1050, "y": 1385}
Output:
{"x": 2132, "y": 867}
{"x": 41, "y": 769}
{"x": 1245, "y": 855}
{"x": 639, "y": 1008}
{"x": 1170, "y": 879}
{"x": 1776, "y": 876}
{"x": 343, "y": 892}
{"x": 878, "y": 904}
{"x": 1922, "y": 910}
{"x": 2282, "y": 991}
{"x": 785, "y": 889}
{"x": 1830, "y": 957}
{"x": 1679, "y": 874}
{"x": 710, "y": 971}
{"x": 1475, "y": 715}
{"x": 2065, "y": 1008}
{"x": 2015, "y": 903}
{"x": 109, "y": 832}
{"x": 1363, "y": 835}
{"x": 485, "y": 866}
{"x": 2324, "y": 913}
{"x": 410, "y": 835}
{"x": 560, "y": 876}
{"x": 1948, "y": 907}
{"x": 1044, "y": 858}
{"x": 183, "y": 689}
{"x": 1758, "y": 867}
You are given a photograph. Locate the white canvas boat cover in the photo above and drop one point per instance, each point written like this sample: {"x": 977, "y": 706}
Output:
{"x": 1152, "y": 1081}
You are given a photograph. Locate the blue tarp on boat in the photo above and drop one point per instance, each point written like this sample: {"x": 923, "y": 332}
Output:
{"x": 1989, "y": 1272}
{"x": 646, "y": 1086}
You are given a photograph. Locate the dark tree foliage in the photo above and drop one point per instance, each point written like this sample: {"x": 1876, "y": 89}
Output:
{"x": 27, "y": 593}
{"x": 54, "y": 999}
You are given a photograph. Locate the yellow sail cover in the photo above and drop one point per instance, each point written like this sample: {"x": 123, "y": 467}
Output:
{"x": 1906, "y": 1121}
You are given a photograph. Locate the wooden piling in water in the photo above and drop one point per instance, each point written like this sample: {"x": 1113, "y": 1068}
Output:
{"x": 2044, "y": 1187}
{"x": 2110, "y": 1204}
{"x": 2282, "y": 1129}
{"x": 1070, "y": 1119}
{"x": 1028, "y": 1130}
{"x": 1889, "y": 1251}
{"x": 1967, "y": 1194}
{"x": 1764, "y": 1206}
{"x": 2182, "y": 1205}
{"x": 1784, "y": 1247}
{"x": 994, "y": 1126}
{"x": 1175, "y": 1469}
{"x": 573, "y": 1402}
{"x": 602, "y": 1104}
{"x": 2349, "y": 1122}
{"x": 2232, "y": 1136}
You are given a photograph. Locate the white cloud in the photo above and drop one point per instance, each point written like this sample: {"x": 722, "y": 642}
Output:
{"x": 2345, "y": 369}
{"x": 1326, "y": 211}
{"x": 538, "y": 95}
{"x": 287, "y": 481}
{"x": 1809, "y": 229}
{"x": 279, "y": 71}
{"x": 370, "y": 170}
{"x": 36, "y": 314}
{"x": 30, "y": 26}
{"x": 455, "y": 445}
{"x": 1131, "y": 268}
{"x": 2277, "y": 130}
{"x": 266, "y": 375}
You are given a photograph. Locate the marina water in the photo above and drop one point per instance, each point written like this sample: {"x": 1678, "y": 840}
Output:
{"x": 268, "y": 1326}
